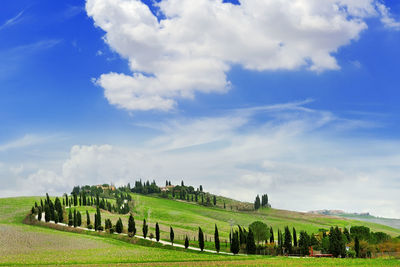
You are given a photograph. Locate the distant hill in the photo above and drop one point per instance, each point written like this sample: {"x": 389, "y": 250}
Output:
{"x": 365, "y": 216}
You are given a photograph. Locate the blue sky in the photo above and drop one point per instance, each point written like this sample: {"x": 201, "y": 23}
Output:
{"x": 331, "y": 107}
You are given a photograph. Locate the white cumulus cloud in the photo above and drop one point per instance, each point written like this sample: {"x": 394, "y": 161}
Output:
{"x": 194, "y": 44}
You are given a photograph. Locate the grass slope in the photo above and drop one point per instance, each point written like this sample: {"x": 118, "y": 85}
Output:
{"x": 28, "y": 245}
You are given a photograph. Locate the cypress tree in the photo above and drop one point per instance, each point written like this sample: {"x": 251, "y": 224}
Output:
{"x": 75, "y": 219}
{"x": 294, "y": 237}
{"x": 186, "y": 242}
{"x": 171, "y": 235}
{"x": 66, "y": 199}
{"x": 357, "y": 246}
{"x": 145, "y": 228}
{"x": 158, "y": 232}
{"x": 47, "y": 213}
{"x": 119, "y": 226}
{"x": 39, "y": 213}
{"x": 304, "y": 243}
{"x": 288, "y": 241}
{"x": 70, "y": 219}
{"x": 224, "y": 205}
{"x": 131, "y": 225}
{"x": 271, "y": 238}
{"x": 257, "y": 203}
{"x": 347, "y": 234}
{"x": 250, "y": 244}
{"x": 87, "y": 218}
{"x": 79, "y": 218}
{"x": 235, "y": 246}
{"x": 75, "y": 200}
{"x": 201, "y": 239}
{"x": 97, "y": 220}
{"x": 33, "y": 210}
{"x": 216, "y": 239}
{"x": 41, "y": 204}
{"x": 215, "y": 200}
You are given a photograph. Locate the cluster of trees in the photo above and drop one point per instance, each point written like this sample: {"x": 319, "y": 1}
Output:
{"x": 145, "y": 188}
{"x": 261, "y": 203}
{"x": 52, "y": 211}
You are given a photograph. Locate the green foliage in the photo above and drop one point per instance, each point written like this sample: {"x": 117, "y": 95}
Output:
{"x": 362, "y": 232}
{"x": 145, "y": 228}
{"x": 171, "y": 235}
{"x": 186, "y": 242}
{"x": 260, "y": 231}
{"x": 257, "y": 203}
{"x": 39, "y": 213}
{"x": 304, "y": 243}
{"x": 119, "y": 226}
{"x": 79, "y": 218}
{"x": 250, "y": 244}
{"x": 288, "y": 241}
{"x": 294, "y": 237}
{"x": 235, "y": 246}
{"x": 264, "y": 200}
{"x": 131, "y": 225}
{"x": 70, "y": 219}
{"x": 47, "y": 213}
{"x": 271, "y": 237}
{"x": 87, "y": 218}
{"x": 158, "y": 232}
{"x": 201, "y": 239}
{"x": 337, "y": 246}
{"x": 216, "y": 239}
{"x": 75, "y": 219}
{"x": 357, "y": 246}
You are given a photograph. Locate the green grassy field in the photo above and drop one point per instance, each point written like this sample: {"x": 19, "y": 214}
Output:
{"x": 32, "y": 245}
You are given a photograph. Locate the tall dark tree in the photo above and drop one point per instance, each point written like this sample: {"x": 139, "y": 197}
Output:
{"x": 337, "y": 246}
{"x": 215, "y": 200}
{"x": 131, "y": 225}
{"x": 288, "y": 241}
{"x": 271, "y": 236}
{"x": 235, "y": 246}
{"x": 201, "y": 188}
{"x": 347, "y": 234}
{"x": 186, "y": 242}
{"x": 87, "y": 218}
{"x": 75, "y": 219}
{"x": 257, "y": 203}
{"x": 66, "y": 200}
{"x": 47, "y": 216}
{"x": 250, "y": 244}
{"x": 145, "y": 228}
{"x": 224, "y": 205}
{"x": 75, "y": 199}
{"x": 304, "y": 243}
{"x": 158, "y": 232}
{"x": 357, "y": 246}
{"x": 39, "y": 213}
{"x": 201, "y": 239}
{"x": 70, "y": 219}
{"x": 216, "y": 239}
{"x": 294, "y": 237}
{"x": 97, "y": 219}
{"x": 78, "y": 218}
{"x": 119, "y": 226}
{"x": 171, "y": 235}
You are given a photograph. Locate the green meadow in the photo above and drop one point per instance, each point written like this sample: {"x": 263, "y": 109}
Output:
{"x": 22, "y": 244}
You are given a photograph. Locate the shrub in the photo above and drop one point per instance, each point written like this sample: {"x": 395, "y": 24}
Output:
{"x": 90, "y": 226}
{"x": 151, "y": 235}
{"x": 100, "y": 228}
{"x": 351, "y": 254}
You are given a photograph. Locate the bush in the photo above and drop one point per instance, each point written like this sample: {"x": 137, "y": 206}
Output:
{"x": 112, "y": 230}
{"x": 351, "y": 254}
{"x": 100, "y": 228}
{"x": 151, "y": 235}
{"x": 90, "y": 226}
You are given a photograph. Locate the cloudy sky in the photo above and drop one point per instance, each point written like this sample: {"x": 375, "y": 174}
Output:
{"x": 295, "y": 98}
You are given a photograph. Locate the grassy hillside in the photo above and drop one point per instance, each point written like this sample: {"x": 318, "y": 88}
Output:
{"x": 24, "y": 244}
{"x": 186, "y": 217}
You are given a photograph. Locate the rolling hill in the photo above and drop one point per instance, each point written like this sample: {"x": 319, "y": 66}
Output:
{"x": 35, "y": 245}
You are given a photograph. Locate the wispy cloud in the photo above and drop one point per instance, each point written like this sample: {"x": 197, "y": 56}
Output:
{"x": 12, "y": 21}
